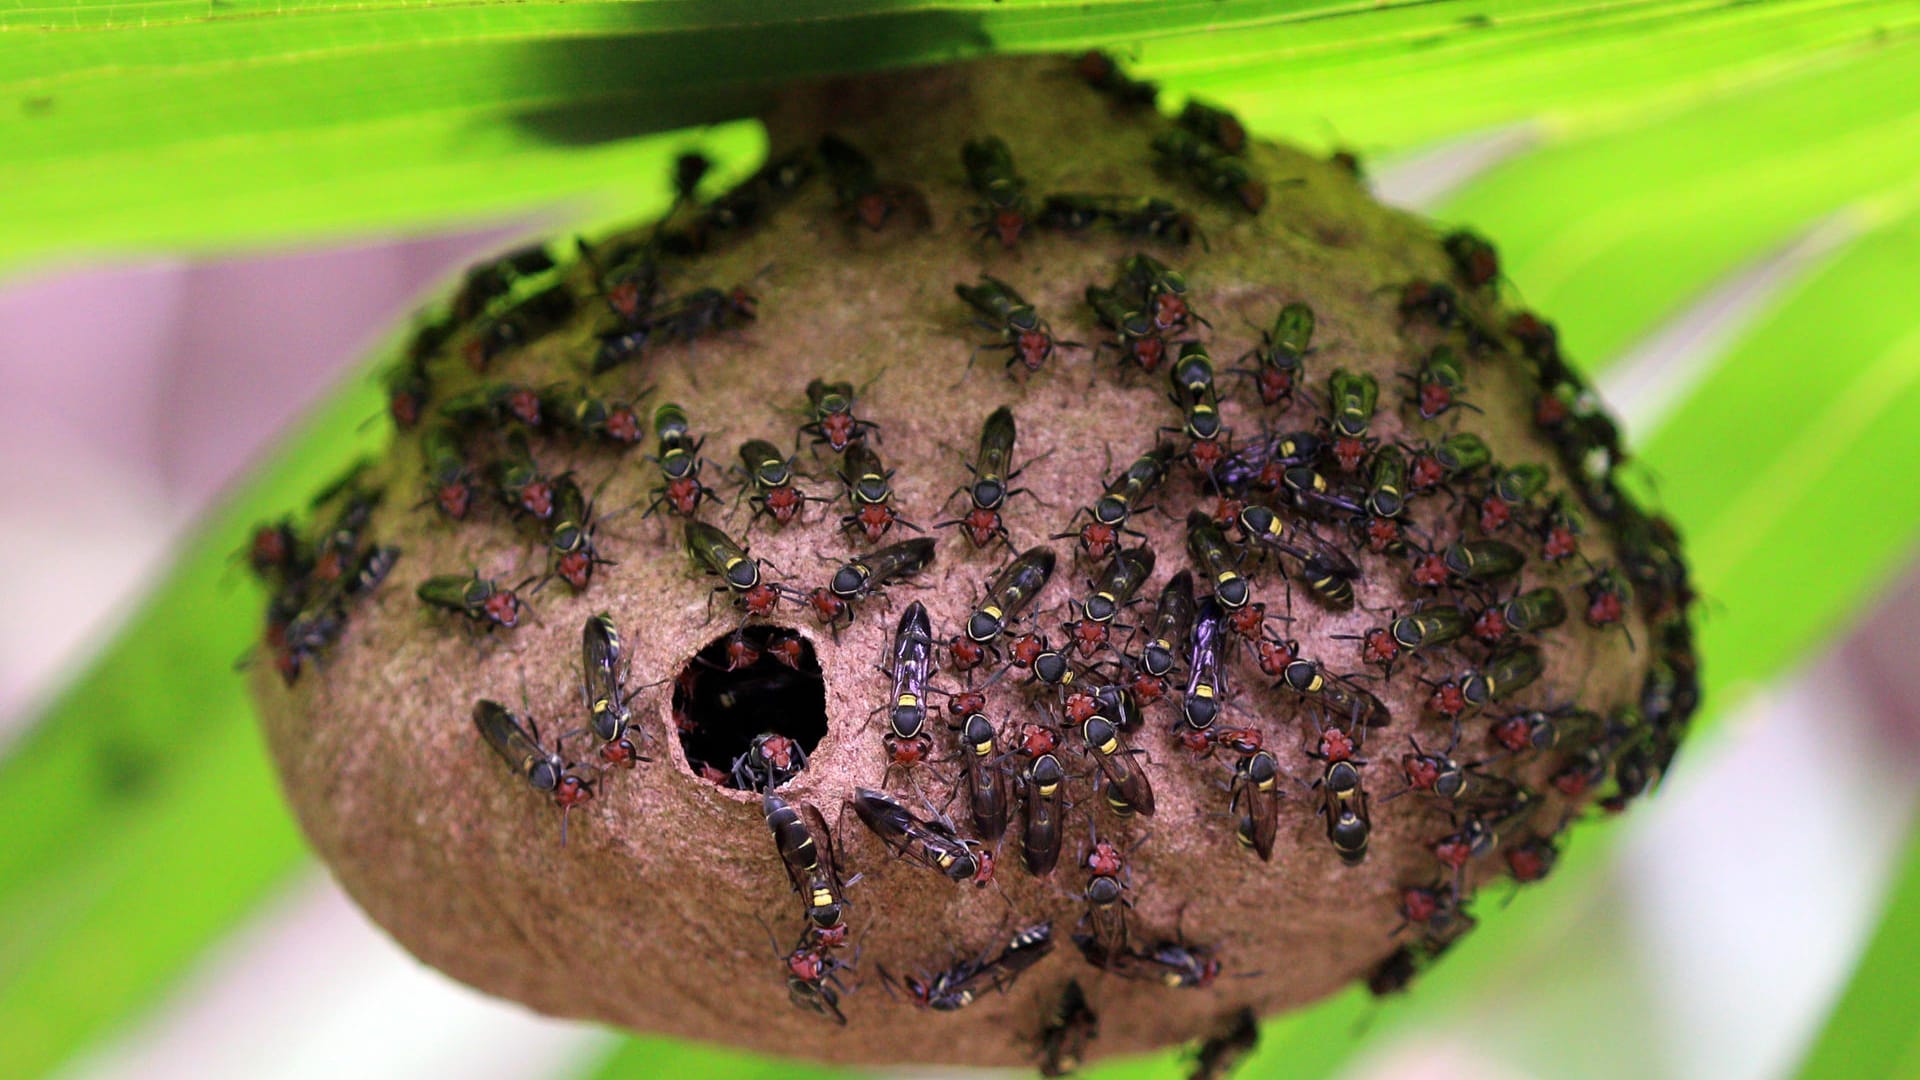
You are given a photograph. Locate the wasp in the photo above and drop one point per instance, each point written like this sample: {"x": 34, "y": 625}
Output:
{"x": 1344, "y": 805}
{"x": 578, "y": 410}
{"x": 1043, "y": 787}
{"x": 716, "y": 553}
{"x": 1214, "y": 124}
{"x": 1127, "y": 789}
{"x": 704, "y": 311}
{"x": 910, "y": 663}
{"x": 861, "y": 194}
{"x": 520, "y": 324}
{"x": 1162, "y": 289}
{"x": 770, "y": 761}
{"x": 1351, "y": 402}
{"x": 1223, "y": 1051}
{"x": 1482, "y": 832}
{"x": 1341, "y": 698}
{"x": 570, "y": 548}
{"x": 869, "y": 486}
{"x": 1440, "y": 774}
{"x": 1329, "y": 572}
{"x": 487, "y": 281}
{"x": 834, "y": 422}
{"x": 1134, "y": 332}
{"x": 1255, "y": 802}
{"x": 1120, "y": 500}
{"x": 1438, "y": 384}
{"x": 1113, "y": 590}
{"x": 1152, "y": 219}
{"x": 772, "y": 184}
{"x": 1528, "y": 613}
{"x": 1386, "y": 484}
{"x": 479, "y": 599}
{"x": 986, "y": 778}
{"x": 991, "y": 486}
{"x": 958, "y": 986}
{"x": 1106, "y": 898}
{"x": 407, "y": 383}
{"x": 1502, "y": 676}
{"x": 449, "y": 477}
{"x": 1211, "y": 552}
{"x": 1100, "y": 72}
{"x": 1428, "y": 627}
{"x": 1172, "y": 617}
{"x": 1011, "y": 590}
{"x": 519, "y": 746}
{"x": 1434, "y": 301}
{"x": 1531, "y": 859}
{"x": 1264, "y": 463}
{"x": 1482, "y": 560}
{"x": 1193, "y": 392}
{"x": 1607, "y": 596}
{"x": 492, "y": 405}
{"x": 1556, "y": 729}
{"x": 1070, "y": 1028}
{"x": 1458, "y": 455}
{"x": 770, "y": 487}
{"x": 1475, "y": 262}
{"x": 1024, "y": 334}
{"x": 1307, "y": 490}
{"x": 1206, "y": 684}
{"x": 519, "y": 484}
{"x": 1169, "y": 963}
{"x": 1003, "y": 194}
{"x": 806, "y": 850}
{"x": 813, "y": 982}
{"x": 603, "y": 691}
{"x": 1221, "y": 175}
{"x": 856, "y": 579}
{"x": 1281, "y": 356}
{"x": 680, "y": 462}
{"x": 933, "y": 844}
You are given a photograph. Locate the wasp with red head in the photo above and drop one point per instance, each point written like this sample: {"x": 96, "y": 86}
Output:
{"x": 958, "y": 986}
{"x": 680, "y": 462}
{"x": 1028, "y": 339}
{"x": 480, "y": 600}
{"x": 910, "y": 666}
{"x": 587, "y": 415}
{"x": 717, "y": 554}
{"x": 933, "y": 843}
{"x": 449, "y": 477}
{"x": 571, "y": 552}
{"x": 1194, "y": 394}
{"x": 1221, "y": 175}
{"x": 603, "y": 672}
{"x": 518, "y": 745}
{"x": 521, "y": 323}
{"x": 519, "y": 483}
{"x": 862, "y": 196}
{"x": 1438, "y": 384}
{"x": 869, "y": 488}
{"x": 1162, "y": 291}
{"x": 1475, "y": 262}
{"x": 494, "y": 405}
{"x": 770, "y": 489}
{"x": 1100, "y": 71}
{"x": 1214, "y": 124}
{"x": 834, "y": 422}
{"x": 1167, "y": 635}
{"x": 813, "y": 983}
{"x": 1134, "y": 332}
{"x": 770, "y": 761}
{"x": 992, "y": 483}
{"x": 1352, "y": 400}
{"x": 1106, "y": 898}
{"x": 856, "y": 579}
{"x": 1112, "y": 591}
{"x": 1010, "y": 591}
{"x": 1280, "y": 358}
{"x": 1003, "y": 211}
{"x": 1120, "y": 500}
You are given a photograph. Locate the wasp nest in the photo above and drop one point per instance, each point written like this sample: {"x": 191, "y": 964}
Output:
{"x": 1171, "y": 584}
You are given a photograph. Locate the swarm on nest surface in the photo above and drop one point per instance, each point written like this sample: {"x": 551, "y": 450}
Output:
{"x": 1206, "y": 653}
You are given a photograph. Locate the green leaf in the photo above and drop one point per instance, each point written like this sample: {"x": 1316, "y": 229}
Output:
{"x": 1871, "y": 1031}
{"x": 171, "y": 125}
{"x": 156, "y": 821}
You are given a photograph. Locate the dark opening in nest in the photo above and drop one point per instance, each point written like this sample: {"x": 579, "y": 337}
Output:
{"x": 750, "y": 707}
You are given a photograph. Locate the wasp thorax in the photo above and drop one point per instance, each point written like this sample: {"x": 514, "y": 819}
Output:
{"x": 942, "y": 572}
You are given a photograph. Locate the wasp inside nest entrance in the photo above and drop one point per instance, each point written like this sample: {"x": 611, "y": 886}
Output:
{"x": 750, "y": 707}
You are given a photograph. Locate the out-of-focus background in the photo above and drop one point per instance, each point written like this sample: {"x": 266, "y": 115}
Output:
{"x": 1728, "y": 236}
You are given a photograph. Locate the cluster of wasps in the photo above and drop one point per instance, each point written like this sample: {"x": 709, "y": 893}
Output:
{"x": 1316, "y": 502}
